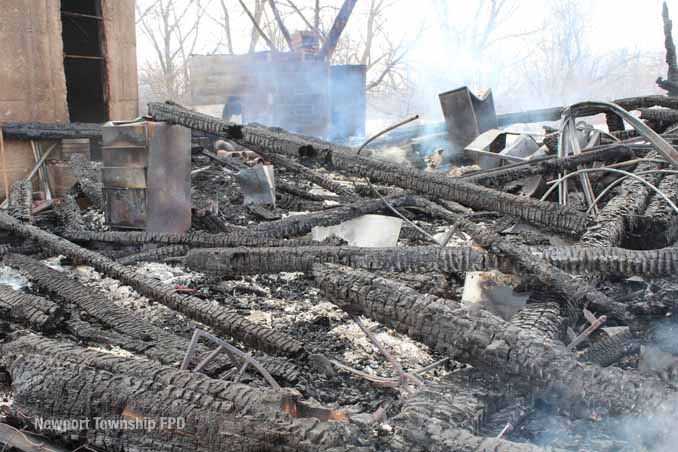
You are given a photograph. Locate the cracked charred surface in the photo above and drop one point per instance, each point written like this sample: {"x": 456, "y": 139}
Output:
{"x": 256, "y": 414}
{"x": 620, "y": 215}
{"x": 212, "y": 423}
{"x": 210, "y": 313}
{"x": 658, "y": 227}
{"x": 35, "y": 312}
{"x": 232, "y": 262}
{"x": 610, "y": 350}
{"x": 490, "y": 344}
{"x": 159, "y": 344}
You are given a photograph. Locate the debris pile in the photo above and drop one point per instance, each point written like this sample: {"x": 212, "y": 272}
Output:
{"x": 464, "y": 286}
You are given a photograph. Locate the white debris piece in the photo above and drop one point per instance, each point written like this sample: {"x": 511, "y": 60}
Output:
{"x": 369, "y": 231}
{"x": 493, "y": 291}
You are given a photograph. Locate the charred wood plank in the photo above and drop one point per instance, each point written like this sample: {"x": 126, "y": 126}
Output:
{"x": 620, "y": 215}
{"x": 155, "y": 255}
{"x": 89, "y": 179}
{"x": 258, "y": 414}
{"x": 223, "y": 320}
{"x": 612, "y": 261}
{"x": 658, "y": 227}
{"x": 193, "y": 239}
{"x": 51, "y": 131}
{"x": 91, "y": 334}
{"x": 36, "y": 312}
{"x": 162, "y": 345}
{"x": 546, "y": 318}
{"x": 20, "y": 202}
{"x": 232, "y": 262}
{"x": 659, "y": 114}
{"x": 636, "y": 103}
{"x": 445, "y": 418}
{"x": 611, "y": 349}
{"x": 481, "y": 339}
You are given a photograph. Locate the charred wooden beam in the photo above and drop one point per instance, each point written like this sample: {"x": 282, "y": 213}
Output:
{"x": 161, "y": 345}
{"x": 658, "y": 227}
{"x": 89, "y": 180}
{"x": 40, "y": 384}
{"x": 193, "y": 239}
{"x": 232, "y": 262}
{"x": 546, "y": 318}
{"x": 611, "y": 261}
{"x": 223, "y": 320}
{"x": 477, "y": 197}
{"x": 445, "y": 418}
{"x": 20, "y": 201}
{"x": 345, "y": 159}
{"x": 534, "y": 362}
{"x": 93, "y": 335}
{"x": 155, "y": 255}
{"x": 636, "y": 103}
{"x": 620, "y": 215}
{"x": 235, "y": 416}
{"x": 35, "y": 312}
{"x": 611, "y": 349}
{"x": 51, "y": 131}
{"x": 549, "y": 165}
{"x": 578, "y": 294}
{"x": 659, "y": 114}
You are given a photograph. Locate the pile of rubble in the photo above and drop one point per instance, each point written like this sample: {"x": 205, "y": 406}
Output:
{"x": 375, "y": 306}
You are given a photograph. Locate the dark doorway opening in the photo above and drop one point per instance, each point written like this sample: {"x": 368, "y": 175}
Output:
{"x": 84, "y": 63}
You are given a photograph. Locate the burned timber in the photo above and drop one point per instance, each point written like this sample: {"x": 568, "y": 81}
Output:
{"x": 206, "y": 285}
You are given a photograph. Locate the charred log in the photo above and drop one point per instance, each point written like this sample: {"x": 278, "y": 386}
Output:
{"x": 51, "y": 131}
{"x": 43, "y": 388}
{"x": 192, "y": 239}
{"x": 232, "y": 262}
{"x": 433, "y": 420}
{"x": 620, "y": 215}
{"x": 258, "y": 414}
{"x": 90, "y": 334}
{"x": 89, "y": 180}
{"x": 156, "y": 255}
{"x": 481, "y": 339}
{"x": 209, "y": 313}
{"x": 611, "y": 349}
{"x": 20, "y": 202}
{"x": 35, "y": 312}
{"x": 121, "y": 322}
{"x": 658, "y": 227}
{"x": 612, "y": 261}
{"x": 545, "y": 318}
{"x": 659, "y": 114}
